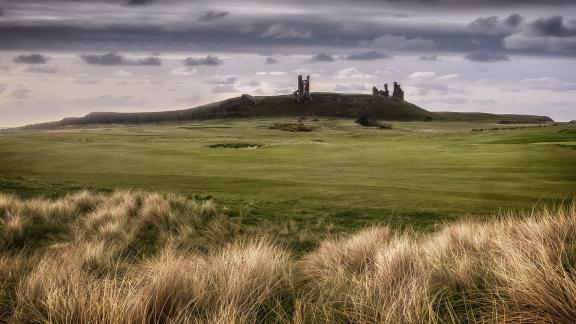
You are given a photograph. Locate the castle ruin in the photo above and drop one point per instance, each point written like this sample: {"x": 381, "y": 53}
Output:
{"x": 381, "y": 93}
{"x": 302, "y": 95}
{"x": 396, "y": 93}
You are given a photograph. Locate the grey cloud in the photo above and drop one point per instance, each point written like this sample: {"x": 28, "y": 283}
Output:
{"x": 21, "y": 94}
{"x": 451, "y": 100}
{"x": 322, "y": 57}
{"x": 551, "y": 84}
{"x": 486, "y": 57}
{"x": 272, "y": 32}
{"x": 286, "y": 31}
{"x": 485, "y": 102}
{"x": 494, "y": 25}
{"x": 564, "y": 45}
{"x": 552, "y": 26}
{"x": 224, "y": 88}
{"x": 271, "y": 60}
{"x": 1, "y": 12}
{"x": 31, "y": 59}
{"x": 367, "y": 56}
{"x": 138, "y": 2}
{"x": 85, "y": 79}
{"x": 110, "y": 101}
{"x": 482, "y": 3}
{"x": 228, "y": 79}
{"x": 213, "y": 15}
{"x": 426, "y": 88}
{"x": 353, "y": 87}
{"x": 209, "y": 60}
{"x": 115, "y": 59}
{"x": 514, "y": 20}
{"x": 432, "y": 57}
{"x": 48, "y": 69}
{"x": 151, "y": 61}
{"x": 3, "y": 87}
{"x": 252, "y": 83}
{"x": 548, "y": 35}
{"x": 396, "y": 42}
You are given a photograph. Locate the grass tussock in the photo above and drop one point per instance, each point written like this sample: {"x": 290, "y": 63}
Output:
{"x": 131, "y": 257}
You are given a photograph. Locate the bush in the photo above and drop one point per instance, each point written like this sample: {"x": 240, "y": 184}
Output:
{"x": 371, "y": 122}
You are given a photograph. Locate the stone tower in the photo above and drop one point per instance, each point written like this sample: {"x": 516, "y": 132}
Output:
{"x": 398, "y": 92}
{"x": 303, "y": 93}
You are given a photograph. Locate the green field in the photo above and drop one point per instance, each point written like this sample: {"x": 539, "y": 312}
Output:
{"x": 419, "y": 174}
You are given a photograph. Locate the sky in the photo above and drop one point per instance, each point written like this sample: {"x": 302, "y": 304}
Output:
{"x": 62, "y": 58}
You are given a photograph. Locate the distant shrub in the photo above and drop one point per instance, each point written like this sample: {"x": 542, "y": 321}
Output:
{"x": 372, "y": 122}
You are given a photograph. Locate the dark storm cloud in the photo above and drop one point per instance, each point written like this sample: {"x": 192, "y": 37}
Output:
{"x": 486, "y": 57}
{"x": 115, "y": 59}
{"x": 213, "y": 15}
{"x": 1, "y": 11}
{"x": 367, "y": 56}
{"x": 322, "y": 57}
{"x": 31, "y": 59}
{"x": 553, "y": 26}
{"x": 209, "y": 60}
{"x": 275, "y": 32}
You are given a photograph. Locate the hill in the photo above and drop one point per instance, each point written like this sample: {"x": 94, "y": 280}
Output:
{"x": 322, "y": 104}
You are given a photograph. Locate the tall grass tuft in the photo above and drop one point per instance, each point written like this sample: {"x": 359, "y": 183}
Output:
{"x": 134, "y": 257}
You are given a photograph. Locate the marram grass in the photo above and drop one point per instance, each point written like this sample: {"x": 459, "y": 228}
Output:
{"x": 133, "y": 257}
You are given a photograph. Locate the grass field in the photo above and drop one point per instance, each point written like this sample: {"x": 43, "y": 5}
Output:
{"x": 419, "y": 174}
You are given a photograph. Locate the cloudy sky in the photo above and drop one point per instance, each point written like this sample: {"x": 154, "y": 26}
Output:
{"x": 67, "y": 58}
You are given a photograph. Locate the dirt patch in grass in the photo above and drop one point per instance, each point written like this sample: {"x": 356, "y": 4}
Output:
{"x": 293, "y": 127}
{"x": 235, "y": 145}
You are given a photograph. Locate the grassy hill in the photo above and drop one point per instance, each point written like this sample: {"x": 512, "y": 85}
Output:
{"x": 322, "y": 104}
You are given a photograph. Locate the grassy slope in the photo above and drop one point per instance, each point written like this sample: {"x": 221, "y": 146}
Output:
{"x": 417, "y": 174}
{"x": 322, "y": 104}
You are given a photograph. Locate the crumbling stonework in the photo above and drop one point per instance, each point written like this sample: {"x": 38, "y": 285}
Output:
{"x": 302, "y": 95}
{"x": 398, "y": 92}
{"x": 381, "y": 93}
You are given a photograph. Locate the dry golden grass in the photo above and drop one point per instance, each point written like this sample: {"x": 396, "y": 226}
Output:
{"x": 132, "y": 257}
